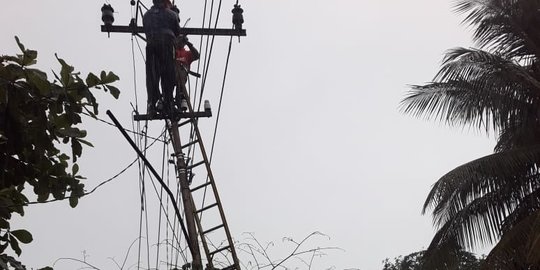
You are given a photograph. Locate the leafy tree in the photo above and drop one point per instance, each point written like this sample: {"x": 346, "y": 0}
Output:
{"x": 463, "y": 260}
{"x": 37, "y": 116}
{"x": 494, "y": 88}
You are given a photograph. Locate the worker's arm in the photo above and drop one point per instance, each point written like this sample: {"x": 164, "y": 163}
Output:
{"x": 174, "y": 22}
{"x": 194, "y": 53}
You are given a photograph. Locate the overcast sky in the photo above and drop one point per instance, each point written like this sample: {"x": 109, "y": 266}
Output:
{"x": 310, "y": 137}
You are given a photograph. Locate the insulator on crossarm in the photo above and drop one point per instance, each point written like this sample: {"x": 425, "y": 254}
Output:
{"x": 183, "y": 105}
{"x": 107, "y": 17}
{"x": 107, "y": 14}
{"x": 207, "y": 106}
{"x": 238, "y": 18}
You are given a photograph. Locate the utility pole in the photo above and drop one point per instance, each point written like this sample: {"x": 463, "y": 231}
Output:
{"x": 187, "y": 200}
{"x": 194, "y": 228}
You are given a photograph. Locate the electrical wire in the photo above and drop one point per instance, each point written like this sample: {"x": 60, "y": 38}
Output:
{"x": 127, "y": 130}
{"x": 208, "y": 52}
{"x": 160, "y": 196}
{"x": 86, "y": 193}
{"x": 217, "y": 119}
{"x": 220, "y": 100}
{"x": 134, "y": 72}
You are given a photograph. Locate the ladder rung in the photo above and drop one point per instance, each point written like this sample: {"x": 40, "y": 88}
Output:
{"x": 190, "y": 144}
{"x": 230, "y": 267}
{"x": 218, "y": 250}
{"x": 213, "y": 229}
{"x": 185, "y": 122}
{"x": 195, "y": 165}
{"x": 206, "y": 208}
{"x": 201, "y": 186}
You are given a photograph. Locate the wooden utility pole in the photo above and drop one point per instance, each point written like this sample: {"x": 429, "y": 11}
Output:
{"x": 194, "y": 228}
{"x": 187, "y": 200}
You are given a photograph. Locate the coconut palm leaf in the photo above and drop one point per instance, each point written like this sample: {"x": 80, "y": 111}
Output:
{"x": 519, "y": 248}
{"x": 496, "y": 88}
{"x": 519, "y": 135}
{"x": 505, "y": 26}
{"x": 476, "y": 88}
{"x": 471, "y": 203}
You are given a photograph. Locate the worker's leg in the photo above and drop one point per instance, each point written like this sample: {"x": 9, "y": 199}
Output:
{"x": 167, "y": 73}
{"x": 152, "y": 83}
{"x": 181, "y": 79}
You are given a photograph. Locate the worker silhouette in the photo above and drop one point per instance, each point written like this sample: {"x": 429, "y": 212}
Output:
{"x": 184, "y": 58}
{"x": 161, "y": 26}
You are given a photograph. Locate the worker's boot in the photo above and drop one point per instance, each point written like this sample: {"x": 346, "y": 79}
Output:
{"x": 151, "y": 109}
{"x": 159, "y": 106}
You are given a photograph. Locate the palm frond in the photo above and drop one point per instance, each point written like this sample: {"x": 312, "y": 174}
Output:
{"x": 476, "y": 88}
{"x": 443, "y": 257}
{"x": 521, "y": 133}
{"x": 505, "y": 26}
{"x": 519, "y": 248}
{"x": 496, "y": 87}
{"x": 471, "y": 202}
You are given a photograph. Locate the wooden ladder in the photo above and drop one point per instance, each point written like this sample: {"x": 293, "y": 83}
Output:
{"x": 203, "y": 200}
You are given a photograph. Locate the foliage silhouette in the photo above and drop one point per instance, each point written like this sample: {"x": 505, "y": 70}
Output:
{"x": 495, "y": 88}
{"x": 37, "y": 117}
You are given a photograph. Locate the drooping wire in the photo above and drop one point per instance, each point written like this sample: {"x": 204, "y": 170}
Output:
{"x": 160, "y": 196}
{"x": 207, "y": 51}
{"x": 143, "y": 207}
{"x": 206, "y": 60}
{"x": 217, "y": 118}
{"x": 86, "y": 193}
{"x": 134, "y": 73}
{"x": 127, "y": 130}
{"x": 220, "y": 100}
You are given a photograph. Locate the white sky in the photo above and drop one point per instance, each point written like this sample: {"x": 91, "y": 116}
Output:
{"x": 310, "y": 139}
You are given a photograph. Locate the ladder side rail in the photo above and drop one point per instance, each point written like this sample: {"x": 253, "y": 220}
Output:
{"x": 221, "y": 211}
{"x": 216, "y": 194}
{"x": 209, "y": 257}
{"x": 210, "y": 263}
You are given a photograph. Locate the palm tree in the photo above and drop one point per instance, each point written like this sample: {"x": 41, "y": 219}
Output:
{"x": 495, "y": 88}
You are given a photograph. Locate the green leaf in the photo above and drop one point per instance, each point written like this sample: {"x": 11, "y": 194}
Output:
{"x": 114, "y": 91}
{"x": 15, "y": 245}
{"x": 72, "y": 132}
{"x": 85, "y": 142}
{"x": 23, "y": 235}
{"x": 4, "y": 224}
{"x": 39, "y": 80}
{"x": 43, "y": 195}
{"x": 65, "y": 72}
{"x": 73, "y": 201}
{"x": 107, "y": 78}
{"x": 75, "y": 169}
{"x": 2, "y": 248}
{"x": 29, "y": 57}
{"x": 76, "y": 148}
{"x": 21, "y": 46}
{"x": 92, "y": 80}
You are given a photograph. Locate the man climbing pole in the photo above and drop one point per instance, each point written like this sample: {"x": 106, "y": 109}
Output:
{"x": 184, "y": 58}
{"x": 161, "y": 26}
